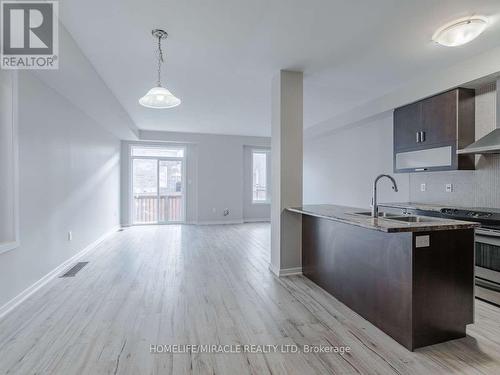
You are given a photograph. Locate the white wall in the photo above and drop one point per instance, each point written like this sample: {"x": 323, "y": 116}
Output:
{"x": 214, "y": 174}
{"x": 418, "y": 87}
{"x": 77, "y": 79}
{"x": 340, "y": 167}
{"x": 69, "y": 181}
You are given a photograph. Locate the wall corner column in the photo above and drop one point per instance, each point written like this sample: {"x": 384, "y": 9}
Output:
{"x": 286, "y": 181}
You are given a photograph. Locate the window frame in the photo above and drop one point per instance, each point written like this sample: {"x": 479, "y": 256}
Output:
{"x": 153, "y": 146}
{"x": 182, "y": 159}
{"x": 15, "y": 242}
{"x": 267, "y": 152}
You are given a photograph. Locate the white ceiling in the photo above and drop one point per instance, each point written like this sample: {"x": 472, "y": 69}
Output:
{"x": 222, "y": 54}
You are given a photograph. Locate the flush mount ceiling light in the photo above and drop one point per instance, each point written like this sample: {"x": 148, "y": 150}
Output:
{"x": 460, "y": 31}
{"x": 159, "y": 97}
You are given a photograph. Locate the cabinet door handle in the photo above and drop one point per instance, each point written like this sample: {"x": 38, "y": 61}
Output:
{"x": 422, "y": 136}
{"x": 418, "y": 137}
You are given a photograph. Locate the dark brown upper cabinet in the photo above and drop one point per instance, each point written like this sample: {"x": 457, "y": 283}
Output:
{"x": 439, "y": 118}
{"x": 428, "y": 133}
{"x": 409, "y": 124}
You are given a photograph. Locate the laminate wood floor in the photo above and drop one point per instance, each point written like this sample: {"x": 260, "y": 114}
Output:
{"x": 178, "y": 284}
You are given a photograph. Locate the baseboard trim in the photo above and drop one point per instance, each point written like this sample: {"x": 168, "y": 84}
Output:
{"x": 152, "y": 224}
{"x": 221, "y": 222}
{"x": 261, "y": 220}
{"x": 25, "y": 294}
{"x": 208, "y": 222}
{"x": 283, "y": 272}
{"x": 274, "y": 270}
{"x": 290, "y": 271}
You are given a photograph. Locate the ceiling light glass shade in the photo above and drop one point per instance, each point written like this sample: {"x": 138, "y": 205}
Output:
{"x": 460, "y": 31}
{"x": 159, "y": 97}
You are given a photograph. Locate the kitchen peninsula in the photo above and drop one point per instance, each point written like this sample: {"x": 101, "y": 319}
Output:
{"x": 411, "y": 276}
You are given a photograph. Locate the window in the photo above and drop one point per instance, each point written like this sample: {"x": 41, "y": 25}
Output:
{"x": 260, "y": 176}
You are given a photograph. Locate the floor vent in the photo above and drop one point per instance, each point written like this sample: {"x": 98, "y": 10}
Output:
{"x": 75, "y": 269}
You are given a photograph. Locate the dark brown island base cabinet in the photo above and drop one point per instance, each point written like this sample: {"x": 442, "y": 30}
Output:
{"x": 417, "y": 287}
{"x": 428, "y": 133}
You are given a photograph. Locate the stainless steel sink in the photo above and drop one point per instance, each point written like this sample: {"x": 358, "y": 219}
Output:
{"x": 380, "y": 214}
{"x": 396, "y": 217}
{"x": 412, "y": 219}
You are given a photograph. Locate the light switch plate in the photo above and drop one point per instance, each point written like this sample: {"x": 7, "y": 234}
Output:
{"x": 449, "y": 188}
{"x": 423, "y": 241}
{"x": 423, "y": 187}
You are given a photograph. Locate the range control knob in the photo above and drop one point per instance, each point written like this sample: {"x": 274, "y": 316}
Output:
{"x": 479, "y": 214}
{"x": 449, "y": 211}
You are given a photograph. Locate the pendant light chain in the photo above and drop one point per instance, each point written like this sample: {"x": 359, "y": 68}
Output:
{"x": 160, "y": 61}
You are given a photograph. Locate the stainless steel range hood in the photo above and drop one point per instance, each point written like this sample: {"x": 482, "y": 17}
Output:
{"x": 490, "y": 143}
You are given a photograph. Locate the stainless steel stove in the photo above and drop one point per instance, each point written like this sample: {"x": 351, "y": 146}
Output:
{"x": 487, "y": 246}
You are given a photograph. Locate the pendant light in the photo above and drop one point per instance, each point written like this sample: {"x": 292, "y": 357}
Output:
{"x": 159, "y": 97}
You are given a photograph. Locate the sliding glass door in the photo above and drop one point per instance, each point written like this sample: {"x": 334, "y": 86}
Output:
{"x": 171, "y": 194}
{"x": 145, "y": 191}
{"x": 157, "y": 185}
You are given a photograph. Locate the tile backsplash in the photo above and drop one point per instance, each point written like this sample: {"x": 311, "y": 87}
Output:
{"x": 478, "y": 188}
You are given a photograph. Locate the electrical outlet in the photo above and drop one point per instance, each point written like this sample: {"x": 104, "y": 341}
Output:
{"x": 70, "y": 236}
{"x": 214, "y": 210}
{"x": 226, "y": 212}
{"x": 423, "y": 187}
{"x": 449, "y": 188}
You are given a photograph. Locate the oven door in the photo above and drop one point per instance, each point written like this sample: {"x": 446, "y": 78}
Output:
{"x": 488, "y": 265}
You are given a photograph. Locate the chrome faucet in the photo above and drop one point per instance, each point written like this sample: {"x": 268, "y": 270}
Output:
{"x": 374, "y": 197}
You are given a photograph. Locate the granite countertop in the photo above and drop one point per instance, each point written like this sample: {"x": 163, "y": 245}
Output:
{"x": 348, "y": 215}
{"x": 433, "y": 206}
